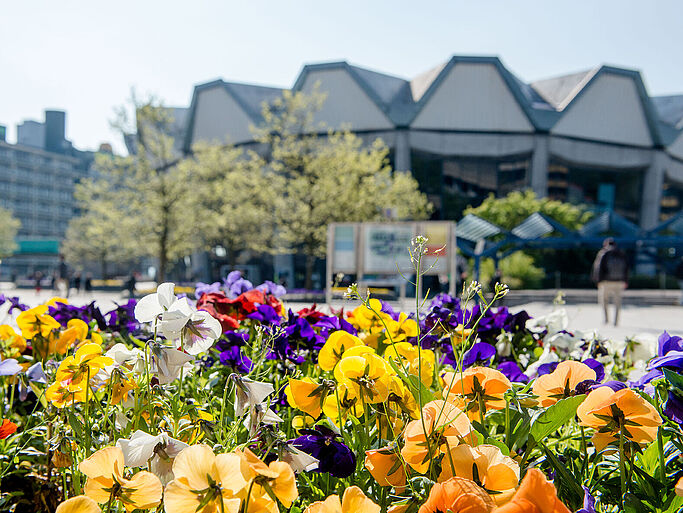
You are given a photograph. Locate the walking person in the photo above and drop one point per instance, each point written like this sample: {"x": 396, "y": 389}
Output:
{"x": 62, "y": 283}
{"x": 131, "y": 283}
{"x": 610, "y": 272}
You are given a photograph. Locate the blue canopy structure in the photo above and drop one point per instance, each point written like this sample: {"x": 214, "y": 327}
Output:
{"x": 479, "y": 238}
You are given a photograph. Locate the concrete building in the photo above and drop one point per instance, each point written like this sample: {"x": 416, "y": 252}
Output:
{"x": 469, "y": 127}
{"x": 37, "y": 178}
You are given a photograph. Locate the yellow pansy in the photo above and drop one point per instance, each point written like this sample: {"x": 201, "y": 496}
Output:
{"x": 35, "y": 321}
{"x": 307, "y": 395}
{"x": 87, "y": 361}
{"x": 11, "y": 343}
{"x": 402, "y": 329}
{"x": 60, "y": 394}
{"x": 366, "y": 376}
{"x": 335, "y": 346}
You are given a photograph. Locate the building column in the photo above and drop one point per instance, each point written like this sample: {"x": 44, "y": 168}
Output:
{"x": 651, "y": 196}
{"x": 539, "y": 166}
{"x": 402, "y": 150}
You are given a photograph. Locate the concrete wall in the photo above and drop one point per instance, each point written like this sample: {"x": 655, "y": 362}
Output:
{"x": 473, "y": 97}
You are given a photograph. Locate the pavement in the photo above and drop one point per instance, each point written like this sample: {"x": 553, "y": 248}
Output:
{"x": 636, "y": 318}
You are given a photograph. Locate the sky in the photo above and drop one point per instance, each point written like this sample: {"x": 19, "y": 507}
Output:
{"x": 86, "y": 57}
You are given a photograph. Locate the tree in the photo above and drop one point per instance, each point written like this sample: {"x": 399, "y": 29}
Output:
{"x": 511, "y": 210}
{"x": 147, "y": 193}
{"x": 235, "y": 196}
{"x": 9, "y": 225}
{"x": 328, "y": 178}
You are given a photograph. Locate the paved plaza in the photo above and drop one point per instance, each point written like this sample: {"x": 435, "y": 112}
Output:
{"x": 634, "y": 319}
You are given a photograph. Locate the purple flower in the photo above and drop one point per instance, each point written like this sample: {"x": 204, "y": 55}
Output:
{"x": 333, "y": 323}
{"x": 674, "y": 408}
{"x": 668, "y": 343}
{"x": 597, "y": 367}
{"x": 335, "y": 457}
{"x": 298, "y": 336}
{"x": 614, "y": 385}
{"x": 268, "y": 287}
{"x": 387, "y": 309}
{"x": 480, "y": 353}
{"x": 235, "y": 285}
{"x": 14, "y": 301}
{"x": 63, "y": 313}
{"x": 265, "y": 314}
{"x": 33, "y": 373}
{"x": 122, "y": 318}
{"x": 513, "y": 372}
{"x": 547, "y": 368}
{"x": 231, "y": 354}
{"x": 588, "y": 502}
{"x": 640, "y": 383}
{"x": 206, "y": 288}
{"x": 670, "y": 353}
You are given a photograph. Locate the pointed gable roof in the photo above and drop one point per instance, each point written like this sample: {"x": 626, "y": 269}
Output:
{"x": 559, "y": 91}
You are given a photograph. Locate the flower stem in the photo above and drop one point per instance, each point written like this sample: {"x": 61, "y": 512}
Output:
{"x": 622, "y": 464}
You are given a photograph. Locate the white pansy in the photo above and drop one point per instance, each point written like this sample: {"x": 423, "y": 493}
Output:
{"x": 249, "y": 393}
{"x": 555, "y": 321}
{"x": 260, "y": 414}
{"x": 153, "y": 305}
{"x": 168, "y": 362}
{"x": 200, "y": 332}
{"x": 159, "y": 451}
{"x": 548, "y": 356}
{"x": 297, "y": 459}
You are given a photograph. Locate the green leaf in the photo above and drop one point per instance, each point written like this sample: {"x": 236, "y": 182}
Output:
{"x": 413, "y": 383}
{"x": 674, "y": 379}
{"x": 557, "y": 415}
{"x": 503, "y": 448}
{"x": 566, "y": 482}
{"x": 633, "y": 505}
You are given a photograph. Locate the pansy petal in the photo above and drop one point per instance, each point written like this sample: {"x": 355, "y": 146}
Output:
{"x": 144, "y": 491}
{"x": 78, "y": 504}
{"x": 105, "y": 462}
{"x": 165, "y": 294}
{"x": 194, "y": 464}
{"x": 148, "y": 308}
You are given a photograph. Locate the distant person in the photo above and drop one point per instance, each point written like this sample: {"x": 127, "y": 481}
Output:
{"x": 610, "y": 272}
{"x": 62, "y": 283}
{"x": 87, "y": 285}
{"x": 37, "y": 276}
{"x": 679, "y": 276}
{"x": 130, "y": 284}
{"x": 77, "y": 282}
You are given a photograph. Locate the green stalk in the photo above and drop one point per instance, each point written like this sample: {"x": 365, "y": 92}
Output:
{"x": 622, "y": 464}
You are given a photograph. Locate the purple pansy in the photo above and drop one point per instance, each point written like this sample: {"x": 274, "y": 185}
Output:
{"x": 230, "y": 348}
{"x": 206, "y": 288}
{"x": 322, "y": 443}
{"x": 674, "y": 407}
{"x": 597, "y": 367}
{"x": 265, "y": 314}
{"x": 268, "y": 287}
{"x": 588, "y": 502}
{"x": 513, "y": 372}
{"x": 480, "y": 353}
{"x": 14, "y": 302}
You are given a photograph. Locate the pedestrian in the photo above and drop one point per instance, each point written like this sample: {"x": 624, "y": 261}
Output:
{"x": 88, "y": 283}
{"x": 38, "y": 276}
{"x": 130, "y": 284}
{"x": 610, "y": 272}
{"x": 77, "y": 282}
{"x": 62, "y": 283}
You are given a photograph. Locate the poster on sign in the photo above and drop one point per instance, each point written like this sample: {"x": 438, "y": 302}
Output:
{"x": 385, "y": 246}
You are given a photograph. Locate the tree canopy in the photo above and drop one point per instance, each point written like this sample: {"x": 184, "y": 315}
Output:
{"x": 9, "y": 225}
{"x": 509, "y": 211}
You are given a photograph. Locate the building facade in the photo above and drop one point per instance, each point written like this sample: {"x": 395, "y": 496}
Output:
{"x": 469, "y": 127}
{"x": 37, "y": 179}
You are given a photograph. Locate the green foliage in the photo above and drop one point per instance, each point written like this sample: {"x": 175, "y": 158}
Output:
{"x": 511, "y": 210}
{"x": 518, "y": 269}
{"x": 9, "y": 225}
{"x": 328, "y": 178}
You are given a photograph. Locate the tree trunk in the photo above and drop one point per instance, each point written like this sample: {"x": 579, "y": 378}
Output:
{"x": 163, "y": 256}
{"x": 103, "y": 267}
{"x": 310, "y": 265}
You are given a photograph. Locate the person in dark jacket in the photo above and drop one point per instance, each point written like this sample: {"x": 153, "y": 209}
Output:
{"x": 610, "y": 272}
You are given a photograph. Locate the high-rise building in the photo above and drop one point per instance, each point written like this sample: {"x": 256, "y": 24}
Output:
{"x": 37, "y": 179}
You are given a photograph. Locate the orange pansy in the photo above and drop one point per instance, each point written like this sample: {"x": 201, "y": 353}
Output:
{"x": 458, "y": 495}
{"x": 562, "y": 382}
{"x": 535, "y": 495}
{"x": 385, "y": 466}
{"x": 477, "y": 385}
{"x": 354, "y": 501}
{"x": 610, "y": 412}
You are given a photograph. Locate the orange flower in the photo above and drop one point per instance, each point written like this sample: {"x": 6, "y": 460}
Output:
{"x": 457, "y": 495}
{"x": 78, "y": 504}
{"x": 425, "y": 437}
{"x": 679, "y": 487}
{"x": 7, "y": 428}
{"x": 562, "y": 382}
{"x": 535, "y": 495}
{"x": 385, "y": 466}
{"x": 479, "y": 386}
{"x": 354, "y": 501}
{"x": 610, "y": 413}
{"x": 307, "y": 395}
{"x": 494, "y": 471}
{"x": 61, "y": 394}
{"x": 105, "y": 473}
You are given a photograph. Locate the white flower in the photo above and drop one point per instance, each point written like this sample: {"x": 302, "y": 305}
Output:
{"x": 200, "y": 332}
{"x": 142, "y": 447}
{"x": 167, "y": 362}
{"x": 297, "y": 459}
{"x": 249, "y": 393}
{"x": 260, "y": 414}
{"x": 548, "y": 356}
{"x": 555, "y": 321}
{"x": 150, "y": 307}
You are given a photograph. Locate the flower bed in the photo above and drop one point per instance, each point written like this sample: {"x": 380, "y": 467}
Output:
{"x": 234, "y": 403}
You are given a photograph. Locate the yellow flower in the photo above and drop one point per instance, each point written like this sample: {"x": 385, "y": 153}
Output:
{"x": 55, "y": 300}
{"x": 307, "y": 395}
{"x": 460, "y": 334}
{"x": 495, "y": 472}
{"x": 193, "y": 430}
{"x": 348, "y": 402}
{"x": 11, "y": 343}
{"x": 206, "y": 482}
{"x": 354, "y": 501}
{"x": 300, "y": 422}
{"x": 402, "y": 329}
{"x": 35, "y": 321}
{"x": 60, "y": 394}
{"x": 105, "y": 476}
{"x": 364, "y": 319}
{"x": 366, "y": 376}
{"x": 87, "y": 361}
{"x": 121, "y": 387}
{"x": 334, "y": 348}
{"x": 78, "y": 504}
{"x": 409, "y": 355}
